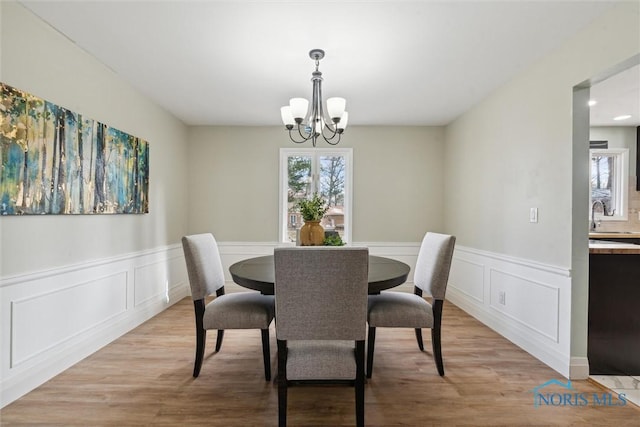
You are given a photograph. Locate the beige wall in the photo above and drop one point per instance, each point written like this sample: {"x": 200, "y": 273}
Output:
{"x": 37, "y": 59}
{"x": 513, "y": 152}
{"x": 397, "y": 182}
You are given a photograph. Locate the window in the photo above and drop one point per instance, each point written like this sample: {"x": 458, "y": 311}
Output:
{"x": 306, "y": 171}
{"x": 609, "y": 181}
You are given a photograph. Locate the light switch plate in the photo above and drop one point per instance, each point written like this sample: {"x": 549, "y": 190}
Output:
{"x": 533, "y": 215}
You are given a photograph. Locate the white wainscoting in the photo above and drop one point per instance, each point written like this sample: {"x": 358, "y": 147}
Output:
{"x": 52, "y": 319}
{"x": 526, "y": 302}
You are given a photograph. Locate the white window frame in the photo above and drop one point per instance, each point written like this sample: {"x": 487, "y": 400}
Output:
{"x": 620, "y": 182}
{"x": 315, "y": 153}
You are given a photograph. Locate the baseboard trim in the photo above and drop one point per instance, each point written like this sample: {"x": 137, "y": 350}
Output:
{"x": 579, "y": 369}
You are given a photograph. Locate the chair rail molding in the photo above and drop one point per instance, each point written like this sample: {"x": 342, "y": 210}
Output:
{"x": 52, "y": 319}
{"x": 527, "y": 302}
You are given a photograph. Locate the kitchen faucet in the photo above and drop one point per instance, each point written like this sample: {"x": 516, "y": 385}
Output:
{"x": 593, "y": 213}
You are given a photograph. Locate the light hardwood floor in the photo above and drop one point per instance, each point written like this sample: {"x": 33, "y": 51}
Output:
{"x": 144, "y": 378}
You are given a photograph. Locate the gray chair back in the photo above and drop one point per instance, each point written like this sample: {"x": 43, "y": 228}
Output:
{"x": 321, "y": 293}
{"x": 433, "y": 265}
{"x": 203, "y": 264}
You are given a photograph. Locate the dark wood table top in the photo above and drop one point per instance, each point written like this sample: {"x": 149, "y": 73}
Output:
{"x": 259, "y": 273}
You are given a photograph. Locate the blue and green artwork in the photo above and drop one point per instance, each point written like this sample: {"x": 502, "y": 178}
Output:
{"x": 55, "y": 161}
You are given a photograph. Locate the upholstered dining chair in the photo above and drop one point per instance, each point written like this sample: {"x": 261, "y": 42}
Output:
{"x": 321, "y": 314}
{"x": 238, "y": 310}
{"x": 404, "y": 310}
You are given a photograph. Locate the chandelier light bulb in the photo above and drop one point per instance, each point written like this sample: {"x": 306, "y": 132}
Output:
{"x": 342, "y": 124}
{"x": 335, "y": 107}
{"x": 299, "y": 107}
{"x": 287, "y": 117}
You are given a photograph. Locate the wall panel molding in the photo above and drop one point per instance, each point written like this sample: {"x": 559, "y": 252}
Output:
{"x": 138, "y": 286}
{"x": 529, "y": 303}
{"x": 54, "y": 318}
{"x": 33, "y": 332}
{"x": 469, "y": 278}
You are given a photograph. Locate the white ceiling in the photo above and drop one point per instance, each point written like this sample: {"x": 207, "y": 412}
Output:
{"x": 396, "y": 62}
{"x": 616, "y": 96}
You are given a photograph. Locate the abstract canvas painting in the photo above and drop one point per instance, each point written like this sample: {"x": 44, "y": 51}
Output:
{"x": 55, "y": 161}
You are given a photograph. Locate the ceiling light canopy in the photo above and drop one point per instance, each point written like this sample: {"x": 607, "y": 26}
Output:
{"x": 304, "y": 123}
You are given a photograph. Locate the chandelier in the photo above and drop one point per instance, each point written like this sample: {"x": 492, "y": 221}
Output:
{"x": 304, "y": 123}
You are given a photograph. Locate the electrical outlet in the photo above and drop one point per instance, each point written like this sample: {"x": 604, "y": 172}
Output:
{"x": 533, "y": 215}
{"x": 502, "y": 298}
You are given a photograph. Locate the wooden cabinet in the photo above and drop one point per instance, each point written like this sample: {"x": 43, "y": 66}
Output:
{"x": 614, "y": 314}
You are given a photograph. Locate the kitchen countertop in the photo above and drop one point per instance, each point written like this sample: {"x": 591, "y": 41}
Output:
{"x": 614, "y": 235}
{"x": 606, "y": 247}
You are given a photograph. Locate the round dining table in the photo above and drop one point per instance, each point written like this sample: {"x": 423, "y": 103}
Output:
{"x": 259, "y": 273}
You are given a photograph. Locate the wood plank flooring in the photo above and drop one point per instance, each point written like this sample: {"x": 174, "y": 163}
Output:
{"x": 144, "y": 378}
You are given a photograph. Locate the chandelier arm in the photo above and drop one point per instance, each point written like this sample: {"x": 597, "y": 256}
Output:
{"x": 305, "y": 136}
{"x": 330, "y": 139}
{"x": 333, "y": 130}
{"x": 298, "y": 142}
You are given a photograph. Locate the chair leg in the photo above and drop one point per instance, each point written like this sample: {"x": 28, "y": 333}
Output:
{"x": 435, "y": 336}
{"x": 359, "y": 385}
{"x": 371, "y": 343}
{"x": 419, "y": 339}
{"x": 266, "y": 354}
{"x": 219, "y": 339}
{"x": 437, "y": 351}
{"x": 201, "y": 336}
{"x": 282, "y": 383}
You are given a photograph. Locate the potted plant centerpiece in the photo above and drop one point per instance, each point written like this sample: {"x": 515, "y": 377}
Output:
{"x": 312, "y": 211}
